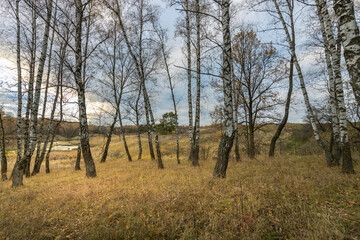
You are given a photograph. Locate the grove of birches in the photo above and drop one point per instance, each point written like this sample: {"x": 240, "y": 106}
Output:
{"x": 99, "y": 71}
{"x": 62, "y": 47}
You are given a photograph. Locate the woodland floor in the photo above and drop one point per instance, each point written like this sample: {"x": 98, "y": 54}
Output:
{"x": 288, "y": 197}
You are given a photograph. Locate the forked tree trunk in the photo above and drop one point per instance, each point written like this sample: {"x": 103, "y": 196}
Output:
{"x": 291, "y": 41}
{"x": 332, "y": 73}
{"x": 228, "y": 136}
{"x": 335, "y": 51}
{"x": 24, "y": 162}
{"x": 287, "y": 109}
{"x": 350, "y": 37}
{"x": 3, "y": 150}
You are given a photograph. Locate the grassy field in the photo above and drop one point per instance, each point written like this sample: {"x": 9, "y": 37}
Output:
{"x": 289, "y": 197}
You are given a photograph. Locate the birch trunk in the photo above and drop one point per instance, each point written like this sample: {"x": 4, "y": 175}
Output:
{"x": 235, "y": 104}
{"x": 25, "y": 161}
{"x": 153, "y": 125}
{"x": 291, "y": 41}
{"x": 196, "y": 131}
{"x": 148, "y": 125}
{"x": 3, "y": 150}
{"x": 350, "y": 37}
{"x": 165, "y": 56}
{"x": 188, "y": 47}
{"x": 78, "y": 155}
{"x": 287, "y": 109}
{"x": 334, "y": 51}
{"x": 138, "y": 124}
{"x": 19, "y": 85}
{"x": 123, "y": 137}
{"x": 31, "y": 84}
{"x": 85, "y": 144}
{"x": 229, "y": 133}
{"x": 42, "y": 121}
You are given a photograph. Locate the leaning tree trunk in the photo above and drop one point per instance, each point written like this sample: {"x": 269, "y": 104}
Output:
{"x": 84, "y": 130}
{"x": 287, "y": 109}
{"x": 19, "y": 82}
{"x": 228, "y": 136}
{"x": 311, "y": 115}
{"x": 3, "y": 150}
{"x": 107, "y": 145}
{"x": 350, "y": 36}
{"x": 24, "y": 162}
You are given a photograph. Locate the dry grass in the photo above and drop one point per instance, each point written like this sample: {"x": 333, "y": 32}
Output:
{"x": 283, "y": 198}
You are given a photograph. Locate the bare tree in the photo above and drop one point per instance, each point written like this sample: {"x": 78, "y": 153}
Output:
{"x": 257, "y": 68}
{"x": 165, "y": 53}
{"x": 24, "y": 162}
{"x": 139, "y": 61}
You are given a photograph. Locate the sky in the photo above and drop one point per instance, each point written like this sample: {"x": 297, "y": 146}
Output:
{"x": 162, "y": 103}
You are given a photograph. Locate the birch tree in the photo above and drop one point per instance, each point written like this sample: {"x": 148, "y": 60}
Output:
{"x": 350, "y": 37}
{"x": 143, "y": 13}
{"x": 228, "y": 136}
{"x": 80, "y": 84}
{"x": 337, "y": 102}
{"x": 24, "y": 162}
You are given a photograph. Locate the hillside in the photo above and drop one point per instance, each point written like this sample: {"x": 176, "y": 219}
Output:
{"x": 288, "y": 197}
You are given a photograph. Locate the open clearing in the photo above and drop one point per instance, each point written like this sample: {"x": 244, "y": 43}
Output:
{"x": 288, "y": 197}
